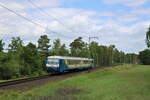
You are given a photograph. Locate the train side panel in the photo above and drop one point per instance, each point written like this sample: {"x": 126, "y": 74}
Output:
{"x": 66, "y": 65}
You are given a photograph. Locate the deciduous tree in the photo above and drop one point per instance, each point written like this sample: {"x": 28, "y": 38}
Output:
{"x": 1, "y": 45}
{"x": 16, "y": 43}
{"x": 43, "y": 44}
{"x": 77, "y": 46}
{"x": 148, "y": 38}
{"x": 145, "y": 57}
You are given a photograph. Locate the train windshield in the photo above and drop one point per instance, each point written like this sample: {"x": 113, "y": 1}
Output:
{"x": 53, "y": 61}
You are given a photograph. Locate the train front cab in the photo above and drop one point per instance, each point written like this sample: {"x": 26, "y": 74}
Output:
{"x": 52, "y": 65}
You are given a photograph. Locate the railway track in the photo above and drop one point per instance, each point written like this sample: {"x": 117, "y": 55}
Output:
{"x": 28, "y": 83}
{"x": 13, "y": 82}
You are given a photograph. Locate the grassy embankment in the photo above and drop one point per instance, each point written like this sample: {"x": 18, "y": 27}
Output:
{"x": 125, "y": 82}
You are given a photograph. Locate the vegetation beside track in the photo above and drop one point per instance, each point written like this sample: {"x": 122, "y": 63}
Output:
{"x": 25, "y": 77}
{"x": 2, "y": 80}
{"x": 29, "y": 60}
{"x": 124, "y": 82}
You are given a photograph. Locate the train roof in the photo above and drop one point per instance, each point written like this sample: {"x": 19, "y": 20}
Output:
{"x": 71, "y": 58}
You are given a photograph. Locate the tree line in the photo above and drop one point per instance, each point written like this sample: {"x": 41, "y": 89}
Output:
{"x": 26, "y": 60}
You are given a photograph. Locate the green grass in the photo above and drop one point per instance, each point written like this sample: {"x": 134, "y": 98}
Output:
{"x": 124, "y": 82}
{"x": 2, "y": 80}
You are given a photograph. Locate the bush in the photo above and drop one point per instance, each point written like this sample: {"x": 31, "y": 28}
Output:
{"x": 144, "y": 57}
{"x": 10, "y": 70}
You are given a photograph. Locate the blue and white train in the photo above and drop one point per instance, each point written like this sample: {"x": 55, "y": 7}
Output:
{"x": 62, "y": 63}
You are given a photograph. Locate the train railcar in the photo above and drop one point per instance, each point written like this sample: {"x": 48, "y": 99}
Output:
{"x": 62, "y": 63}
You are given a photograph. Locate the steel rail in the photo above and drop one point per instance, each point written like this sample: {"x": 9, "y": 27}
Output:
{"x": 19, "y": 81}
{"x": 13, "y": 82}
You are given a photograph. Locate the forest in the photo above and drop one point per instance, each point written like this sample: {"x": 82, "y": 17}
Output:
{"x": 29, "y": 60}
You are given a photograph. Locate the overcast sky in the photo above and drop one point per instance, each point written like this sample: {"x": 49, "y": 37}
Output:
{"x": 120, "y": 22}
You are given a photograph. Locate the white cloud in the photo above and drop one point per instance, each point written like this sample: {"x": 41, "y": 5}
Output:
{"x": 131, "y": 3}
{"x": 142, "y": 11}
{"x": 78, "y": 22}
{"x": 47, "y": 3}
{"x": 13, "y": 4}
{"x": 126, "y": 38}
